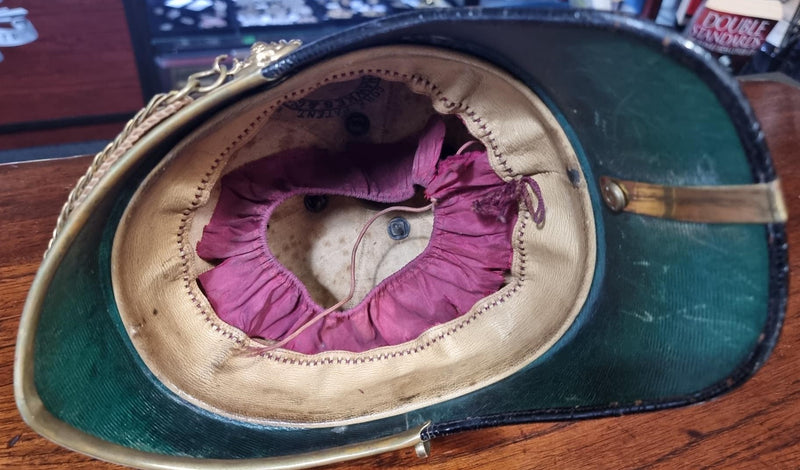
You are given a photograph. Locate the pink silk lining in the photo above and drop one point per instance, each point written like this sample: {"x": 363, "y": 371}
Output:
{"x": 465, "y": 260}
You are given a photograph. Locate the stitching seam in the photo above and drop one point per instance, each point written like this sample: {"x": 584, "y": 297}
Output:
{"x": 435, "y": 93}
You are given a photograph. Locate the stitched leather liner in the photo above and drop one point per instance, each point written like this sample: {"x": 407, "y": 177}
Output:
{"x": 200, "y": 358}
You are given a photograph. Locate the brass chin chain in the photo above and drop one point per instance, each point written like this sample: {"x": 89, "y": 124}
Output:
{"x": 162, "y": 106}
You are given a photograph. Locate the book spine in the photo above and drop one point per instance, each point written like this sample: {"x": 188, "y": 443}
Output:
{"x": 732, "y": 37}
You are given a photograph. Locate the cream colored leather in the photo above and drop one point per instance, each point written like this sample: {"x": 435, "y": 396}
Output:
{"x": 317, "y": 247}
{"x": 183, "y": 342}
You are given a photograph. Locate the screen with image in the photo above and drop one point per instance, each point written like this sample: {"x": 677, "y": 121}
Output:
{"x": 181, "y": 17}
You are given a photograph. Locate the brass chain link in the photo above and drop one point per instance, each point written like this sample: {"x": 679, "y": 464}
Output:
{"x": 166, "y": 104}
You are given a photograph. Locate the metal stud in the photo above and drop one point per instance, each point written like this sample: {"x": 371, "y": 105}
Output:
{"x": 357, "y": 124}
{"x": 613, "y": 194}
{"x": 398, "y": 228}
{"x": 315, "y": 203}
{"x": 423, "y": 449}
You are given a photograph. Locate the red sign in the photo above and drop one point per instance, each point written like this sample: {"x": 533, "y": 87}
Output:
{"x": 729, "y": 33}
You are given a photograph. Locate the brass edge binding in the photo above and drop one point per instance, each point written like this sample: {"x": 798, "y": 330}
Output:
{"x": 760, "y": 203}
{"x": 89, "y": 195}
{"x": 85, "y": 199}
{"x": 161, "y": 107}
{"x": 76, "y": 440}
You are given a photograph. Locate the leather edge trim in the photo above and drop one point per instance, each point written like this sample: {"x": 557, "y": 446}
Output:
{"x": 778, "y": 293}
{"x": 690, "y": 55}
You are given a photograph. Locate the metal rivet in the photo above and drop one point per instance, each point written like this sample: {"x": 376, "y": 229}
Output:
{"x": 574, "y": 176}
{"x": 398, "y": 228}
{"x": 613, "y": 194}
{"x": 315, "y": 203}
{"x": 357, "y": 124}
{"x": 423, "y": 449}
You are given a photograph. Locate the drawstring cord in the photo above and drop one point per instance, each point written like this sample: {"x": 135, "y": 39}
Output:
{"x": 466, "y": 146}
{"x": 494, "y": 204}
{"x": 497, "y": 203}
{"x": 331, "y": 309}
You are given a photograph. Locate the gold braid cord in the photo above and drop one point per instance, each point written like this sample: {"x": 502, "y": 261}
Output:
{"x": 161, "y": 107}
{"x": 105, "y": 159}
{"x": 156, "y": 111}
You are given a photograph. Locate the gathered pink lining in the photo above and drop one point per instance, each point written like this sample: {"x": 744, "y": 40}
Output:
{"x": 465, "y": 260}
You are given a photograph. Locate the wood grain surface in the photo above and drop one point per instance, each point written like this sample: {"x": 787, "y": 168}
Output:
{"x": 62, "y": 135}
{"x": 82, "y": 64}
{"x": 755, "y": 426}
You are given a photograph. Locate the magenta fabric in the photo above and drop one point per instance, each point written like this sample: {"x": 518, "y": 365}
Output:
{"x": 465, "y": 260}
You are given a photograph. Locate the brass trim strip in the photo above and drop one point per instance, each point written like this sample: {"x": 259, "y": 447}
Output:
{"x": 33, "y": 411}
{"x": 738, "y": 204}
{"x": 27, "y": 397}
{"x": 67, "y": 436}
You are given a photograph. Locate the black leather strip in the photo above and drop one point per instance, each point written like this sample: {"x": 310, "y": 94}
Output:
{"x": 779, "y": 274}
{"x": 450, "y": 28}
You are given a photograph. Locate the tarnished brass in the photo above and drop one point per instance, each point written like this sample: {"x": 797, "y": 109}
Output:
{"x": 62, "y": 433}
{"x": 423, "y": 449}
{"x": 163, "y": 105}
{"x": 614, "y": 195}
{"x": 108, "y": 168}
{"x": 263, "y": 54}
{"x": 740, "y": 204}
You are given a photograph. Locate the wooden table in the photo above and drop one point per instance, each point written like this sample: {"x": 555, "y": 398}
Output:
{"x": 755, "y": 426}
{"x": 78, "y": 81}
